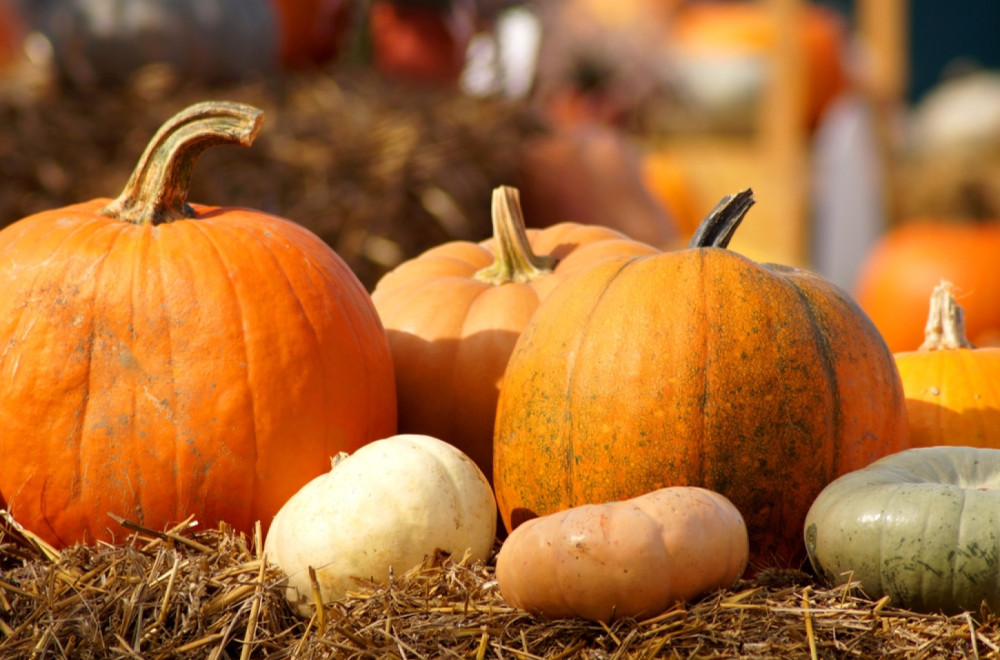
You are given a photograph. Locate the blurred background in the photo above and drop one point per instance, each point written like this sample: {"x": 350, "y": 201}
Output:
{"x": 868, "y": 129}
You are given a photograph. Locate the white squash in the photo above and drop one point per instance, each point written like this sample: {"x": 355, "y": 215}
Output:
{"x": 389, "y": 504}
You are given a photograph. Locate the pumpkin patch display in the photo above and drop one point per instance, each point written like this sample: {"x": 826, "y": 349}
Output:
{"x": 951, "y": 389}
{"x": 697, "y": 367}
{"x": 160, "y": 359}
{"x": 633, "y": 558}
{"x": 385, "y": 507}
{"x": 453, "y": 313}
{"x": 921, "y": 526}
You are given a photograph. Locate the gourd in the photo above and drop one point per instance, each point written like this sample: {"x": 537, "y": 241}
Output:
{"x": 921, "y": 526}
{"x": 385, "y": 507}
{"x": 950, "y": 385}
{"x": 453, "y": 313}
{"x": 697, "y": 367}
{"x": 910, "y": 260}
{"x": 634, "y": 558}
{"x": 160, "y": 359}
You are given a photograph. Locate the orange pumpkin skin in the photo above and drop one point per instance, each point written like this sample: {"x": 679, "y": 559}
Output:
{"x": 909, "y": 261}
{"x": 205, "y": 366}
{"x": 452, "y": 332}
{"x": 950, "y": 385}
{"x": 695, "y": 368}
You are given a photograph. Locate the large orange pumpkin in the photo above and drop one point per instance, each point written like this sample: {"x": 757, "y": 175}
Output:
{"x": 951, "y": 389}
{"x": 697, "y": 367}
{"x": 160, "y": 359}
{"x": 893, "y": 281}
{"x": 453, "y": 314}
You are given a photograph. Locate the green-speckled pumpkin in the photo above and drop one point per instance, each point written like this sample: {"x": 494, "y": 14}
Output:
{"x": 696, "y": 367}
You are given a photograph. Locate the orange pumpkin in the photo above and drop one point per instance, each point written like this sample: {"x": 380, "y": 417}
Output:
{"x": 697, "y": 367}
{"x": 161, "y": 360}
{"x": 721, "y": 48}
{"x": 950, "y": 385}
{"x": 453, "y": 314}
{"x": 893, "y": 281}
{"x": 311, "y": 31}
{"x": 420, "y": 41}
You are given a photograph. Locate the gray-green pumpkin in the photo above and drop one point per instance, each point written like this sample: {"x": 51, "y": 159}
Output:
{"x": 921, "y": 526}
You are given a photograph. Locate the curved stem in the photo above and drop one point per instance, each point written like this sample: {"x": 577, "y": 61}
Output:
{"x": 945, "y": 327}
{"x": 718, "y": 227}
{"x": 157, "y": 191}
{"x": 514, "y": 261}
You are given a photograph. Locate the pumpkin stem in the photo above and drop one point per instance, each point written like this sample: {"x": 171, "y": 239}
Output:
{"x": 945, "y": 327}
{"x": 157, "y": 191}
{"x": 514, "y": 260}
{"x": 718, "y": 227}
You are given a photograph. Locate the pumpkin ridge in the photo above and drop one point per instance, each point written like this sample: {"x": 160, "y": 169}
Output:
{"x": 200, "y": 229}
{"x": 824, "y": 350}
{"x": 580, "y": 338}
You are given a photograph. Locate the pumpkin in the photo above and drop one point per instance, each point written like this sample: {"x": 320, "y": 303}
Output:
{"x": 592, "y": 174}
{"x": 385, "y": 507}
{"x": 105, "y": 43}
{"x": 950, "y": 385}
{"x": 697, "y": 367}
{"x": 453, "y": 313}
{"x": 720, "y": 54}
{"x": 630, "y": 559}
{"x": 672, "y": 186}
{"x": 160, "y": 360}
{"x": 312, "y": 32}
{"x": 12, "y": 33}
{"x": 921, "y": 526}
{"x": 420, "y": 40}
{"x": 911, "y": 259}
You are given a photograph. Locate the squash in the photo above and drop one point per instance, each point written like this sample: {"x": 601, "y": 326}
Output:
{"x": 453, "y": 313}
{"x": 630, "y": 559}
{"x": 385, "y": 507}
{"x": 950, "y": 385}
{"x": 160, "y": 360}
{"x": 921, "y": 526}
{"x": 911, "y": 259}
{"x": 697, "y": 367}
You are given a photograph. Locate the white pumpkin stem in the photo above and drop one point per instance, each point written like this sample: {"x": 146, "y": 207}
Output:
{"x": 514, "y": 260}
{"x": 945, "y": 327}
{"x": 157, "y": 191}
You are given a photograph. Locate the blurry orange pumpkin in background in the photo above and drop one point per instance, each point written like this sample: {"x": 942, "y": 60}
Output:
{"x": 311, "y": 31}
{"x": 420, "y": 41}
{"x": 909, "y": 261}
{"x": 720, "y": 51}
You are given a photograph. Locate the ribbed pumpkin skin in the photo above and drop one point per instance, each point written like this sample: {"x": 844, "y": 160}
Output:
{"x": 452, "y": 334}
{"x": 208, "y": 366}
{"x": 695, "y": 368}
